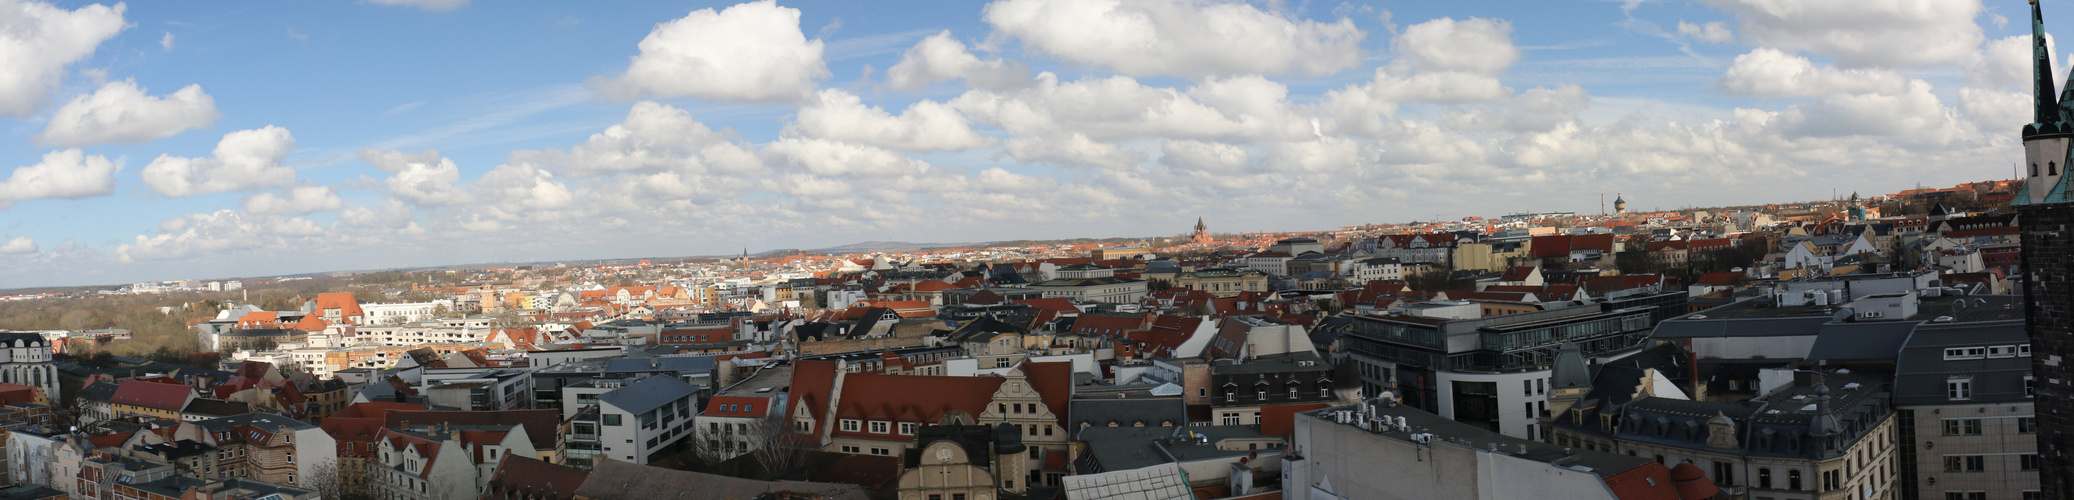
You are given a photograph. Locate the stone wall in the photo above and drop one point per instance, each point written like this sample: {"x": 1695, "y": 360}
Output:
{"x": 2048, "y": 267}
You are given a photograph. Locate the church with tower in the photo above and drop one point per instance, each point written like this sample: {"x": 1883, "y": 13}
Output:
{"x": 2047, "y": 212}
{"x": 1202, "y": 233}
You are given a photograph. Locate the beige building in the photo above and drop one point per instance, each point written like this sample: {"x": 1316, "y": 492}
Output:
{"x": 1492, "y": 256}
{"x": 961, "y": 461}
{"x": 1222, "y": 282}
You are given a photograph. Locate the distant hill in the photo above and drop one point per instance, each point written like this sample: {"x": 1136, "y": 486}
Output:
{"x": 889, "y": 245}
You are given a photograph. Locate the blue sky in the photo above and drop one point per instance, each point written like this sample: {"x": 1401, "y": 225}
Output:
{"x": 355, "y": 135}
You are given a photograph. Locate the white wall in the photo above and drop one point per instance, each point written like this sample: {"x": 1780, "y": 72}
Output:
{"x": 1513, "y": 418}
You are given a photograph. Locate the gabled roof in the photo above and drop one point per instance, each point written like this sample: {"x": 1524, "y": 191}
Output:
{"x": 523, "y": 478}
{"x": 540, "y": 424}
{"x": 918, "y": 398}
{"x": 157, "y": 395}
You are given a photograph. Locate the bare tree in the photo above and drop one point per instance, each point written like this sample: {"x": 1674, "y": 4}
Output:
{"x": 770, "y": 442}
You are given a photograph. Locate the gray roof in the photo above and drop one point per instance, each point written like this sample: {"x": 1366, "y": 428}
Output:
{"x": 1448, "y": 431}
{"x": 1686, "y": 327}
{"x": 1921, "y": 370}
{"x": 1127, "y": 411}
{"x": 1158, "y": 482}
{"x": 1119, "y": 448}
{"x": 684, "y": 364}
{"x": 1569, "y": 370}
{"x": 1297, "y": 361}
{"x": 647, "y": 394}
{"x": 260, "y": 420}
{"x": 1861, "y": 340}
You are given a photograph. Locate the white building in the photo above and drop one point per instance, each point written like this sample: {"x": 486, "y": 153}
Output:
{"x": 643, "y": 420}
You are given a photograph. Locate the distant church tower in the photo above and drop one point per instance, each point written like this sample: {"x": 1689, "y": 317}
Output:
{"x": 1620, "y": 205}
{"x": 2046, "y": 210}
{"x": 1202, "y": 233}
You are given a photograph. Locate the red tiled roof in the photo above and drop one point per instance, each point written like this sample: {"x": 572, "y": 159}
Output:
{"x": 1053, "y": 381}
{"x": 152, "y": 395}
{"x": 813, "y": 385}
{"x": 910, "y": 398}
{"x": 347, "y": 305}
{"x": 740, "y": 406}
{"x": 1517, "y": 273}
{"x": 932, "y": 286}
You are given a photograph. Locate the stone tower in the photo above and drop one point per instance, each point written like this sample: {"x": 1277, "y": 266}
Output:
{"x": 2047, "y": 213}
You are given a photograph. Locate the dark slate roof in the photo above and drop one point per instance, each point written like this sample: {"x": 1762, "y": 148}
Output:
{"x": 1861, "y": 340}
{"x": 260, "y": 420}
{"x": 647, "y": 394}
{"x": 1685, "y": 327}
{"x": 99, "y": 391}
{"x": 677, "y": 364}
{"x": 1789, "y": 422}
{"x": 1127, "y": 412}
{"x": 1921, "y": 370}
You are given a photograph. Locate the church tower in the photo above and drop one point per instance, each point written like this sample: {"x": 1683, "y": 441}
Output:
{"x": 1202, "y": 233}
{"x": 2047, "y": 213}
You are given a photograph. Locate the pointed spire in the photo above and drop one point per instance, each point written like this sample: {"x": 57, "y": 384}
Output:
{"x": 2047, "y": 108}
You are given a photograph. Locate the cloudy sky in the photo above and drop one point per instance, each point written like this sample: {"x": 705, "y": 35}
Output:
{"x": 184, "y": 140}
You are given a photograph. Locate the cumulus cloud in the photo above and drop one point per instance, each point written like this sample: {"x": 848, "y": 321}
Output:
{"x": 1191, "y": 38}
{"x": 243, "y": 160}
{"x": 1710, "y": 32}
{"x": 120, "y": 112}
{"x": 942, "y": 58}
{"x": 924, "y": 126}
{"x": 1770, "y": 73}
{"x": 395, "y": 161}
{"x": 38, "y": 40}
{"x": 747, "y": 52}
{"x": 434, "y": 5}
{"x": 299, "y": 201}
{"x": 1475, "y": 45}
{"x": 65, "y": 173}
{"x": 216, "y": 233}
{"x": 20, "y": 245}
{"x": 1859, "y": 34}
{"x": 833, "y": 158}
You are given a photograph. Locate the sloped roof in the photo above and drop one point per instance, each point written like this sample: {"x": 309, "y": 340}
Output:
{"x": 615, "y": 480}
{"x": 157, "y": 395}
{"x": 347, "y": 305}
{"x": 523, "y": 478}
{"x": 540, "y": 425}
{"x": 921, "y": 398}
{"x": 647, "y": 394}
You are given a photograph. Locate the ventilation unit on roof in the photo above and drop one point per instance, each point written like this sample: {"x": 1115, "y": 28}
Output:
{"x": 1809, "y": 407}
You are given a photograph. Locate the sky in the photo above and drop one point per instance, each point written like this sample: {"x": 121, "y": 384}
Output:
{"x": 210, "y": 140}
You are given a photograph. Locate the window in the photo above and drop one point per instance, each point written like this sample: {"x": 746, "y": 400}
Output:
{"x": 852, "y": 449}
{"x": 1793, "y": 480}
{"x": 2023, "y": 350}
{"x": 850, "y": 425}
{"x": 1292, "y": 392}
{"x": 1958, "y": 388}
{"x": 1965, "y": 495}
{"x": 1527, "y": 386}
{"x": 2029, "y": 461}
{"x": 1962, "y": 427}
{"x": 1951, "y": 353}
{"x": 1261, "y": 394}
{"x": 1231, "y": 419}
{"x": 2030, "y": 386}
{"x": 2027, "y": 425}
{"x": 880, "y": 427}
{"x": 612, "y": 420}
{"x": 2002, "y": 351}
{"x": 1764, "y": 478}
{"x": 908, "y": 428}
{"x": 881, "y": 451}
{"x": 1965, "y": 463}
{"x": 1724, "y": 473}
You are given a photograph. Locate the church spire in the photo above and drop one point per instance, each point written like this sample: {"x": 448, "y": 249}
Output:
{"x": 2047, "y": 107}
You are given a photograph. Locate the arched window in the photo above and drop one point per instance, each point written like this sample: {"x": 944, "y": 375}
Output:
{"x": 1793, "y": 480}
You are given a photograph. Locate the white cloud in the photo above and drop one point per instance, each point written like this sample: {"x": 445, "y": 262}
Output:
{"x": 1475, "y": 45}
{"x": 2005, "y": 63}
{"x": 166, "y": 42}
{"x": 65, "y": 173}
{"x": 1897, "y": 33}
{"x": 833, "y": 158}
{"x": 216, "y": 233}
{"x": 120, "y": 112}
{"x": 20, "y": 245}
{"x": 653, "y": 137}
{"x": 747, "y": 52}
{"x": 1191, "y": 38}
{"x": 395, "y": 161}
{"x": 428, "y": 184}
{"x": 1771, "y": 73}
{"x": 942, "y": 58}
{"x": 37, "y": 42}
{"x": 299, "y": 201}
{"x": 243, "y": 160}
{"x": 924, "y": 126}
{"x": 1716, "y": 32}
{"x": 434, "y": 5}
{"x": 1214, "y": 157}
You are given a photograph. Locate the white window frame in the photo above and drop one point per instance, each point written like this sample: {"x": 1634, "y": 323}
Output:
{"x": 1955, "y": 353}
{"x": 1958, "y": 388}
{"x": 881, "y": 427}
{"x": 852, "y": 425}
{"x": 908, "y": 428}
